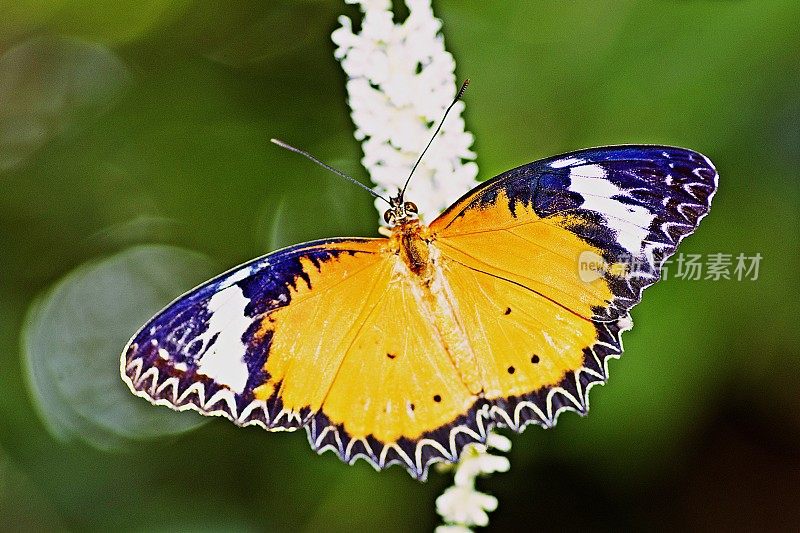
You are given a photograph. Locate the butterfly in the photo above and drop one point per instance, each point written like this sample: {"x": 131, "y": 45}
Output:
{"x": 405, "y": 349}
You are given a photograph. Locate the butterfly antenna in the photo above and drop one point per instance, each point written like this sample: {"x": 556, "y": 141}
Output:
{"x": 328, "y": 167}
{"x": 458, "y": 97}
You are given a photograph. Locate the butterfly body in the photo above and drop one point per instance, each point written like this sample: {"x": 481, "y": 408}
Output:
{"x": 412, "y": 242}
{"x": 407, "y": 348}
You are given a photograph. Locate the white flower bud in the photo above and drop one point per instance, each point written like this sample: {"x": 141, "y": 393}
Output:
{"x": 400, "y": 81}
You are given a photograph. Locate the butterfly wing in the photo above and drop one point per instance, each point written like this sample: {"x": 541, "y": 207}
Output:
{"x": 545, "y": 261}
{"x": 208, "y": 349}
{"x": 329, "y": 336}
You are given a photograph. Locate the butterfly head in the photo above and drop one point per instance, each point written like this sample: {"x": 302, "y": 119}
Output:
{"x": 399, "y": 210}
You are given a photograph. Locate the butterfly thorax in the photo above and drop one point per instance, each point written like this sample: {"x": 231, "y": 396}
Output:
{"x": 411, "y": 241}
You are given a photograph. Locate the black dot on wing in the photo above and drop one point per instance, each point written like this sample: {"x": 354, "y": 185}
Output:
{"x": 511, "y": 370}
{"x": 391, "y": 355}
{"x": 411, "y": 406}
{"x": 535, "y": 359}
{"x": 437, "y": 398}
{"x": 507, "y": 311}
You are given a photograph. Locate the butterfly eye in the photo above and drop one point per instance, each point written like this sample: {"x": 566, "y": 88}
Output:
{"x": 388, "y": 216}
{"x": 410, "y": 207}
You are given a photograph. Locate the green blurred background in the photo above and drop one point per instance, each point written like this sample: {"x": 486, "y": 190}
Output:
{"x": 135, "y": 162}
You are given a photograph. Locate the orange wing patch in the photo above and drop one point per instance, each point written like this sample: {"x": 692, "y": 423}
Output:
{"x": 540, "y": 254}
{"x": 522, "y": 341}
{"x": 514, "y": 279}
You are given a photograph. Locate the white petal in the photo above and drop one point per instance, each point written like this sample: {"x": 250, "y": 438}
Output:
{"x": 401, "y": 79}
{"x": 498, "y": 442}
{"x": 466, "y": 506}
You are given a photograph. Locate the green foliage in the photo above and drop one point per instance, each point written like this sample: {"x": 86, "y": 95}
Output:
{"x": 50, "y": 87}
{"x": 73, "y": 334}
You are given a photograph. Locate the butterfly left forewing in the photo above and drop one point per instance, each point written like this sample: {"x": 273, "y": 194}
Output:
{"x": 209, "y": 350}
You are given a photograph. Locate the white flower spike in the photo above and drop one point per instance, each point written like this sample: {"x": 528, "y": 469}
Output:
{"x": 462, "y": 505}
{"x": 400, "y": 82}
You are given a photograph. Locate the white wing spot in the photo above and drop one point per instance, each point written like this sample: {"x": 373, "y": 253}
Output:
{"x": 237, "y": 276}
{"x": 224, "y": 360}
{"x": 588, "y": 171}
{"x": 561, "y": 163}
{"x": 631, "y": 223}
